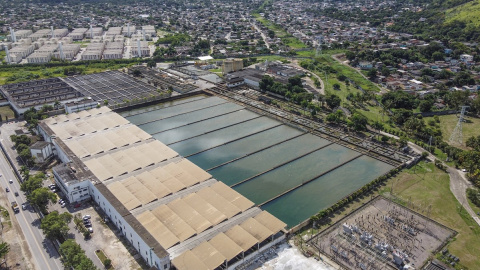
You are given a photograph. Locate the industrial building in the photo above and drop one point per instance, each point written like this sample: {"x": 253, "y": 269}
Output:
{"x": 94, "y": 32}
{"x": 22, "y": 51}
{"x": 23, "y": 96}
{"x": 149, "y": 30}
{"x": 39, "y": 57}
{"x": 94, "y": 51}
{"x": 78, "y": 33}
{"x": 113, "y": 50}
{"x": 128, "y": 30}
{"x": 231, "y": 65}
{"x": 140, "y": 49}
{"x": 172, "y": 212}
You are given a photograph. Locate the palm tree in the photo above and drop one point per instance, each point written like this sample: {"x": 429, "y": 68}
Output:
{"x": 25, "y": 172}
{"x": 385, "y": 108}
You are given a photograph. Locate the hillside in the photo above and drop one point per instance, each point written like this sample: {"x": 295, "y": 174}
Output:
{"x": 468, "y": 13}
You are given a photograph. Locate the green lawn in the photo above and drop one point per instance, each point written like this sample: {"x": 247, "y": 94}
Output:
{"x": 448, "y": 122}
{"x": 425, "y": 185}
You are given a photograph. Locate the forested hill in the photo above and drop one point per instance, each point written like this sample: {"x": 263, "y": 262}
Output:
{"x": 431, "y": 19}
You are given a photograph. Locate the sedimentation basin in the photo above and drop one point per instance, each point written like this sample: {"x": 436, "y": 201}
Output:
{"x": 290, "y": 173}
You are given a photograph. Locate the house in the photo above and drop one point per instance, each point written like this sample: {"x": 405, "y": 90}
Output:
{"x": 365, "y": 65}
{"x": 466, "y": 58}
{"x": 234, "y": 81}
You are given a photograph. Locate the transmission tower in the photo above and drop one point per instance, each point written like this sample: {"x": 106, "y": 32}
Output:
{"x": 319, "y": 46}
{"x": 457, "y": 135}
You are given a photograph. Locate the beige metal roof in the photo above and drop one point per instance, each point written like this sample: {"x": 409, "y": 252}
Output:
{"x": 208, "y": 211}
{"x": 241, "y": 237}
{"x": 226, "y": 246}
{"x": 209, "y": 255}
{"x": 138, "y": 190}
{"x": 189, "y": 261}
{"x": 219, "y": 202}
{"x": 256, "y": 229}
{"x": 153, "y": 184}
{"x": 232, "y": 196}
{"x": 124, "y": 195}
{"x": 128, "y": 159}
{"x": 173, "y": 222}
{"x": 199, "y": 174}
{"x": 189, "y": 215}
{"x": 269, "y": 221}
{"x": 157, "y": 229}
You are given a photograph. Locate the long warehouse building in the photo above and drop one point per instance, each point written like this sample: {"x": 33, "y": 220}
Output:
{"x": 173, "y": 212}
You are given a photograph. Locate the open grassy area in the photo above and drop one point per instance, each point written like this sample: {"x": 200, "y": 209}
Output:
{"x": 28, "y": 73}
{"x": 280, "y": 32}
{"x": 293, "y": 42}
{"x": 448, "y": 123}
{"x": 424, "y": 186}
{"x": 6, "y": 111}
{"x": 468, "y": 13}
{"x": 349, "y": 72}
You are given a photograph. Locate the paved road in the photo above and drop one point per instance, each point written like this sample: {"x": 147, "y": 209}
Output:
{"x": 45, "y": 256}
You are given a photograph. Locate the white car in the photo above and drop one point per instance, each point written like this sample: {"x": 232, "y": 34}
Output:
{"x": 90, "y": 229}
{"x": 10, "y": 181}
{"x": 87, "y": 217}
{"x": 464, "y": 170}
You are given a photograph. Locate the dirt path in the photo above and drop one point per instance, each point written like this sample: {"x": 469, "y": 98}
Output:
{"x": 458, "y": 181}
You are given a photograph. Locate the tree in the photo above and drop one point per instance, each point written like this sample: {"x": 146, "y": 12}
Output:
{"x": 22, "y": 139}
{"x": 25, "y": 172}
{"x": 4, "y": 249}
{"x": 358, "y": 122}
{"x": 372, "y": 74}
{"x": 32, "y": 183}
{"x": 336, "y": 86}
{"x": 333, "y": 101}
{"x": 74, "y": 256}
{"x": 55, "y": 225}
{"x": 40, "y": 197}
{"x": 426, "y": 105}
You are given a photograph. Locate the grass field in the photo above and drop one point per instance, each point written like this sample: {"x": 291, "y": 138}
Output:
{"x": 6, "y": 111}
{"x": 468, "y": 13}
{"x": 425, "y": 185}
{"x": 448, "y": 123}
{"x": 28, "y": 73}
{"x": 287, "y": 39}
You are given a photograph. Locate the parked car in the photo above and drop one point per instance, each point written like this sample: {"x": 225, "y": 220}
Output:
{"x": 90, "y": 230}
{"x": 88, "y": 225}
{"x": 87, "y": 217}
{"x": 24, "y": 206}
{"x": 7, "y": 189}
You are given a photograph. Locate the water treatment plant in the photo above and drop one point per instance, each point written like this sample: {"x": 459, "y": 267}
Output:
{"x": 287, "y": 171}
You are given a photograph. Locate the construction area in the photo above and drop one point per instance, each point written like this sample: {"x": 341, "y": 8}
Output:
{"x": 382, "y": 235}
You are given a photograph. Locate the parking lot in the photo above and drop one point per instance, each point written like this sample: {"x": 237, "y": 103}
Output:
{"x": 102, "y": 238}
